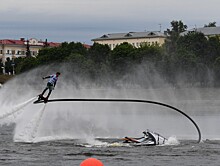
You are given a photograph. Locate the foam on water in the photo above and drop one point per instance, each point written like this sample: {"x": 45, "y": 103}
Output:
{"x": 91, "y": 142}
{"x": 29, "y": 132}
{"x": 172, "y": 141}
{"x": 106, "y": 144}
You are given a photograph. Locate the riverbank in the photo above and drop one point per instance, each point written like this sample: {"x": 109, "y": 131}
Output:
{"x": 5, "y": 78}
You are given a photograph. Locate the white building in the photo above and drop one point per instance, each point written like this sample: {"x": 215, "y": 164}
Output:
{"x": 207, "y": 31}
{"x": 18, "y": 48}
{"x": 134, "y": 38}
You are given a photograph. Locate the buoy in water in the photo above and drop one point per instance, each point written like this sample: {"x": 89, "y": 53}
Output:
{"x": 91, "y": 162}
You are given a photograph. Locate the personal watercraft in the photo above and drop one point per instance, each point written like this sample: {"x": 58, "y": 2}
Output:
{"x": 150, "y": 138}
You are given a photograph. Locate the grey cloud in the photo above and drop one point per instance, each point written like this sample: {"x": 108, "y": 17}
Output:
{"x": 83, "y": 20}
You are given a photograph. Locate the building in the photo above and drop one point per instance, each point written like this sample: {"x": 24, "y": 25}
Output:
{"x": 134, "y": 38}
{"x": 207, "y": 31}
{"x": 18, "y": 48}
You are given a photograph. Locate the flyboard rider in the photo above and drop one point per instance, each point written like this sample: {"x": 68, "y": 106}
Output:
{"x": 50, "y": 85}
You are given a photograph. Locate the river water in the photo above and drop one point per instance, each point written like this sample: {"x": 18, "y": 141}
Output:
{"x": 72, "y": 153}
{"x": 67, "y": 133}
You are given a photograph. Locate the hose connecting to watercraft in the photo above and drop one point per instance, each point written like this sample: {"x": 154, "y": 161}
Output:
{"x": 132, "y": 100}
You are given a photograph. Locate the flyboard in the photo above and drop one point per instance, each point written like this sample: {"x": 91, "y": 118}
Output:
{"x": 41, "y": 100}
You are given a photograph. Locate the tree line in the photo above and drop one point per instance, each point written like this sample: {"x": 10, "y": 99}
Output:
{"x": 192, "y": 59}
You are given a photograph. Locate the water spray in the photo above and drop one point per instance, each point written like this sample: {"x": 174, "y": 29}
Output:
{"x": 29, "y": 132}
{"x": 131, "y": 100}
{"x": 17, "y": 108}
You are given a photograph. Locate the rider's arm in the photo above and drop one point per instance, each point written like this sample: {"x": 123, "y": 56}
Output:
{"x": 46, "y": 77}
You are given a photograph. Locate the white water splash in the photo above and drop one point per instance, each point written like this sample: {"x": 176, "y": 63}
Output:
{"x": 172, "y": 141}
{"x": 52, "y": 138}
{"x": 113, "y": 120}
{"x": 29, "y": 132}
{"x": 14, "y": 110}
{"x": 97, "y": 143}
{"x": 106, "y": 144}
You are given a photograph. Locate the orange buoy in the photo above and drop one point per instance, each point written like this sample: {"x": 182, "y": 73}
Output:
{"x": 91, "y": 162}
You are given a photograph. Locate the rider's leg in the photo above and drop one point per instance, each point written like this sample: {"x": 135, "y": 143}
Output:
{"x": 42, "y": 94}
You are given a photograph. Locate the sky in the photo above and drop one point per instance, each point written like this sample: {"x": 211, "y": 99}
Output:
{"x": 83, "y": 20}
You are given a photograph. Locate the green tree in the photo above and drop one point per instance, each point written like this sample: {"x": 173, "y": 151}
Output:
{"x": 99, "y": 53}
{"x": 177, "y": 27}
{"x": 213, "y": 50}
{"x": 211, "y": 24}
{"x": 167, "y": 68}
{"x": 58, "y": 54}
{"x": 78, "y": 63}
{"x": 217, "y": 71}
{"x": 28, "y": 52}
{"x": 1, "y": 66}
{"x": 148, "y": 52}
{"x": 8, "y": 66}
{"x": 121, "y": 58}
{"x": 50, "y": 55}
{"x": 26, "y": 64}
{"x": 196, "y": 43}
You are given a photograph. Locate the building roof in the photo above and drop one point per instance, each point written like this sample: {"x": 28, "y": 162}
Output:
{"x": 87, "y": 46}
{"x": 130, "y": 35}
{"x": 40, "y": 43}
{"x": 24, "y": 42}
{"x": 52, "y": 44}
{"x": 11, "y": 42}
{"x": 207, "y": 31}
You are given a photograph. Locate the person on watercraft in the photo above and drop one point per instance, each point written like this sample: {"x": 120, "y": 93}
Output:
{"x": 145, "y": 134}
{"x": 137, "y": 140}
{"x": 50, "y": 84}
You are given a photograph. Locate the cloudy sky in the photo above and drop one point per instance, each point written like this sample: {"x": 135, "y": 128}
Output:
{"x": 83, "y": 20}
